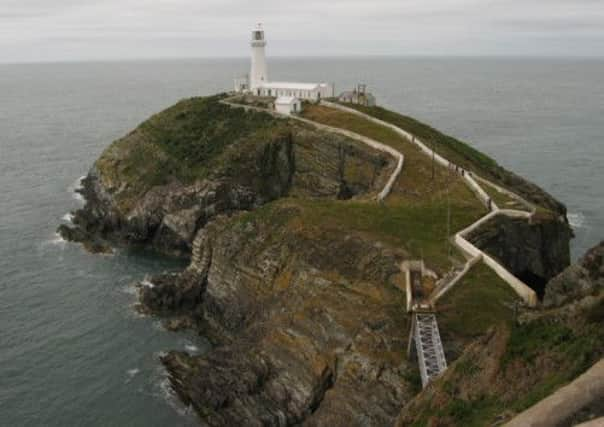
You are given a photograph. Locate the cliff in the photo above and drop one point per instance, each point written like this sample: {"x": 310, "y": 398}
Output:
{"x": 295, "y": 269}
{"x": 533, "y": 251}
{"x": 517, "y": 363}
{"x": 307, "y": 319}
{"x": 165, "y": 180}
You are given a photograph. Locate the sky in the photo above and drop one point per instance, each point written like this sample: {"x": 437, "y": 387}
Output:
{"x": 75, "y": 30}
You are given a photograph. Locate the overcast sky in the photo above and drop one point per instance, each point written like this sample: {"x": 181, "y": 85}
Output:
{"x": 55, "y": 30}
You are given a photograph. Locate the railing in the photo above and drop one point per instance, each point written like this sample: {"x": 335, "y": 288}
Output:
{"x": 430, "y": 352}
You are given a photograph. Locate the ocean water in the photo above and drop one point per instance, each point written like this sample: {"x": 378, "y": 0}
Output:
{"x": 72, "y": 349}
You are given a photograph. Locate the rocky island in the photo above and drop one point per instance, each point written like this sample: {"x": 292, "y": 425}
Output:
{"x": 296, "y": 262}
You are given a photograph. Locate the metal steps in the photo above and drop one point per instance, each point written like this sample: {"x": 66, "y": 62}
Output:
{"x": 430, "y": 352}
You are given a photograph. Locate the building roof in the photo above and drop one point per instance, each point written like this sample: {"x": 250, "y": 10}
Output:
{"x": 290, "y": 85}
{"x": 288, "y": 100}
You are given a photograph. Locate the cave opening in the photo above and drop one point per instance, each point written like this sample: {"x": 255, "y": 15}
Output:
{"x": 536, "y": 282}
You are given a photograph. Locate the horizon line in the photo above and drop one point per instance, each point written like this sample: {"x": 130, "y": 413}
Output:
{"x": 335, "y": 56}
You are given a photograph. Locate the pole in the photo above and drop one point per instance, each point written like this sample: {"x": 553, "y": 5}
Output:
{"x": 432, "y": 159}
{"x": 448, "y": 222}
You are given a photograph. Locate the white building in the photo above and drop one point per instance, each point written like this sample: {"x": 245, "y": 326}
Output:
{"x": 258, "y": 84}
{"x": 288, "y": 105}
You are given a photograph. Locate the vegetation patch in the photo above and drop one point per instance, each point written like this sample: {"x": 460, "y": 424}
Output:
{"x": 464, "y": 155}
{"x": 509, "y": 372}
{"x": 451, "y": 148}
{"x": 502, "y": 200}
{"x": 479, "y": 301}
{"x": 187, "y": 142}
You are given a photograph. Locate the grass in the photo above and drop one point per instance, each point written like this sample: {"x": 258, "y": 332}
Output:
{"x": 463, "y": 155}
{"x": 414, "y": 215}
{"x": 186, "y": 142}
{"x": 449, "y": 147}
{"x": 539, "y": 357}
{"x": 419, "y": 228}
{"x": 421, "y": 178}
{"x": 480, "y": 300}
{"x": 196, "y": 131}
{"x": 502, "y": 200}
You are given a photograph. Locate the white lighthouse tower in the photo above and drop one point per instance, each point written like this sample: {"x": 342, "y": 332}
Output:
{"x": 258, "y": 72}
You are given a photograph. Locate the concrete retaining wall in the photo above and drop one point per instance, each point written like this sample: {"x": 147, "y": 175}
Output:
{"x": 467, "y": 176}
{"x": 558, "y": 409}
{"x": 473, "y": 253}
{"x": 524, "y": 291}
{"x": 367, "y": 141}
{"x": 531, "y": 208}
{"x": 442, "y": 291}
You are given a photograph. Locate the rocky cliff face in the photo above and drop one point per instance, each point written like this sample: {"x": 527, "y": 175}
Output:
{"x": 144, "y": 191}
{"x": 301, "y": 293}
{"x": 582, "y": 279}
{"x": 535, "y": 252}
{"x": 512, "y": 367}
{"x": 311, "y": 324}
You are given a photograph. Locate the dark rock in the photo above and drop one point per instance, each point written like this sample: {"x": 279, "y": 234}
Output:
{"x": 584, "y": 278}
{"x": 311, "y": 329}
{"x": 533, "y": 251}
{"x": 305, "y": 162}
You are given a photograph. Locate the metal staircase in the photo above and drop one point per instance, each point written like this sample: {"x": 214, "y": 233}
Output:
{"x": 430, "y": 353}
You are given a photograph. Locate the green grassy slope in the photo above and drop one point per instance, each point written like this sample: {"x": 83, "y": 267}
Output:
{"x": 185, "y": 142}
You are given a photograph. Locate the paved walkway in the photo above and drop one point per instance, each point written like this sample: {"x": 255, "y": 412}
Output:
{"x": 376, "y": 145}
{"x": 425, "y": 330}
{"x": 472, "y": 252}
{"x": 558, "y": 408}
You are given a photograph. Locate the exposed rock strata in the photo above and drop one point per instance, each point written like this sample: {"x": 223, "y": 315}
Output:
{"x": 515, "y": 366}
{"x": 535, "y": 252}
{"x": 309, "y": 321}
{"x": 584, "y": 278}
{"x": 296, "y": 160}
{"x": 311, "y": 326}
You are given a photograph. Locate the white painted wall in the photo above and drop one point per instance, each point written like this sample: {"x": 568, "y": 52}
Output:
{"x": 288, "y": 108}
{"x": 322, "y": 90}
{"x": 524, "y": 291}
{"x": 259, "y": 70}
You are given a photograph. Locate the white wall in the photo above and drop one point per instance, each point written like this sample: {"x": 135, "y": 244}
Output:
{"x": 259, "y": 70}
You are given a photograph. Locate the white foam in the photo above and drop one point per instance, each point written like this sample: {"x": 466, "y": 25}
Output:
{"x": 147, "y": 283}
{"x": 170, "y": 396}
{"x": 57, "y": 240}
{"x": 191, "y": 348}
{"x": 576, "y": 220}
{"x": 68, "y": 217}
{"x": 74, "y": 187}
{"x": 131, "y": 373}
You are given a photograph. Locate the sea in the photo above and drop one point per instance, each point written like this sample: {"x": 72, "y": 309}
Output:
{"x": 73, "y": 351}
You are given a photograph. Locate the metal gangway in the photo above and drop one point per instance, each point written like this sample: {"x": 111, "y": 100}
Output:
{"x": 430, "y": 352}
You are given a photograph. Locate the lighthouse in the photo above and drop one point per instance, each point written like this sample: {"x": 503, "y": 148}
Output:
{"x": 258, "y": 72}
{"x": 257, "y": 83}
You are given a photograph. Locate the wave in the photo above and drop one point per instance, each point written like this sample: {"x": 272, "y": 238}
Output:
{"x": 191, "y": 348}
{"x": 146, "y": 282}
{"x": 576, "y": 220}
{"x": 169, "y": 395}
{"x": 57, "y": 240}
{"x": 75, "y": 186}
